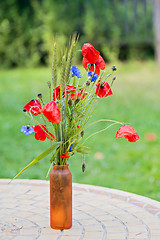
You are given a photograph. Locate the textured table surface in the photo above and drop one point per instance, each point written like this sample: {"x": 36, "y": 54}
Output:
{"x": 98, "y": 213}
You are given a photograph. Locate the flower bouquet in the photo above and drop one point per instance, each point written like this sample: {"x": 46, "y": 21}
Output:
{"x": 72, "y": 100}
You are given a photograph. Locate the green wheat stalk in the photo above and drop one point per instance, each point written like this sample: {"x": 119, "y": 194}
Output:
{"x": 54, "y": 66}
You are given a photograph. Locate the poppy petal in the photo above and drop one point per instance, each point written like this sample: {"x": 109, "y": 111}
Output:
{"x": 90, "y": 53}
{"x": 39, "y": 132}
{"x": 56, "y": 93}
{"x": 51, "y": 112}
{"x": 103, "y": 89}
{"x": 128, "y": 132}
{"x": 125, "y": 130}
{"x": 132, "y": 138}
{"x": 33, "y": 107}
{"x": 100, "y": 63}
{"x": 65, "y": 155}
{"x": 85, "y": 65}
{"x": 78, "y": 95}
{"x": 85, "y": 62}
{"x": 70, "y": 89}
{"x": 97, "y": 70}
{"x": 50, "y": 136}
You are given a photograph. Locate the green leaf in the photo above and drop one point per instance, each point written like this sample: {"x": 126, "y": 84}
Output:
{"x": 82, "y": 149}
{"x": 39, "y": 157}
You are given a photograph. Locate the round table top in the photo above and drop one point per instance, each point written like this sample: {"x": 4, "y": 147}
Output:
{"x": 98, "y": 213}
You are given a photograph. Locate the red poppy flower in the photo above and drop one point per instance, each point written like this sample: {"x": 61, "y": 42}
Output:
{"x": 51, "y": 112}
{"x": 56, "y": 93}
{"x": 41, "y": 133}
{"x": 65, "y": 155}
{"x": 70, "y": 89}
{"x": 34, "y": 107}
{"x": 78, "y": 95}
{"x": 90, "y": 53}
{"x": 99, "y": 64}
{"x": 103, "y": 89}
{"x": 128, "y": 132}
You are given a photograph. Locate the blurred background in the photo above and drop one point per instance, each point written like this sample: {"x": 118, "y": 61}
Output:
{"x": 127, "y": 33}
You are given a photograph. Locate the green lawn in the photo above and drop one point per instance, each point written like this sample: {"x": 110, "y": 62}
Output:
{"x": 113, "y": 163}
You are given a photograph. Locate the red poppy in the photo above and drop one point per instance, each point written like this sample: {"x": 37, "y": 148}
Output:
{"x": 78, "y": 95}
{"x": 99, "y": 64}
{"x": 56, "y": 93}
{"x": 34, "y": 107}
{"x": 128, "y": 132}
{"x": 41, "y": 133}
{"x": 90, "y": 53}
{"x": 65, "y": 155}
{"x": 70, "y": 89}
{"x": 51, "y": 112}
{"x": 103, "y": 89}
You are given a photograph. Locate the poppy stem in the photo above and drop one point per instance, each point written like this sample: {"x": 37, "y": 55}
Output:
{"x": 74, "y": 81}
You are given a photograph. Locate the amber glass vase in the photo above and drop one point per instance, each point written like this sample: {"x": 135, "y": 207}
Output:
{"x": 60, "y": 197}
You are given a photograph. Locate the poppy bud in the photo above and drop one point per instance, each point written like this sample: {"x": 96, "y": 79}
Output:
{"x": 24, "y": 110}
{"x": 70, "y": 102}
{"x": 88, "y": 83}
{"x": 40, "y": 95}
{"x": 108, "y": 75}
{"x": 88, "y": 66}
{"x": 49, "y": 84}
{"x": 114, "y": 78}
{"x": 101, "y": 85}
{"x": 77, "y": 101}
{"x": 83, "y": 167}
{"x": 114, "y": 68}
{"x": 82, "y": 134}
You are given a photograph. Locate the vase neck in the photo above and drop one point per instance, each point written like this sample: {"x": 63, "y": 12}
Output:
{"x": 60, "y": 166}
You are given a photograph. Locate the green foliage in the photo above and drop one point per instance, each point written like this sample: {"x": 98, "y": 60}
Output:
{"x": 117, "y": 28}
{"x": 132, "y": 167}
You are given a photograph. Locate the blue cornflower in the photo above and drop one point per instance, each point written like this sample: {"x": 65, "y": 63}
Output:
{"x": 70, "y": 149}
{"x": 27, "y": 129}
{"x": 75, "y": 72}
{"x": 93, "y": 75}
{"x": 90, "y": 73}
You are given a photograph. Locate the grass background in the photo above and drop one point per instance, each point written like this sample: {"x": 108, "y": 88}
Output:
{"x": 113, "y": 163}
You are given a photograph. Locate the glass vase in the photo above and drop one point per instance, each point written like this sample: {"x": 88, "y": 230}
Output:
{"x": 60, "y": 197}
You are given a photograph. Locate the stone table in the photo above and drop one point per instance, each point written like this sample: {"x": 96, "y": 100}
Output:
{"x": 98, "y": 213}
